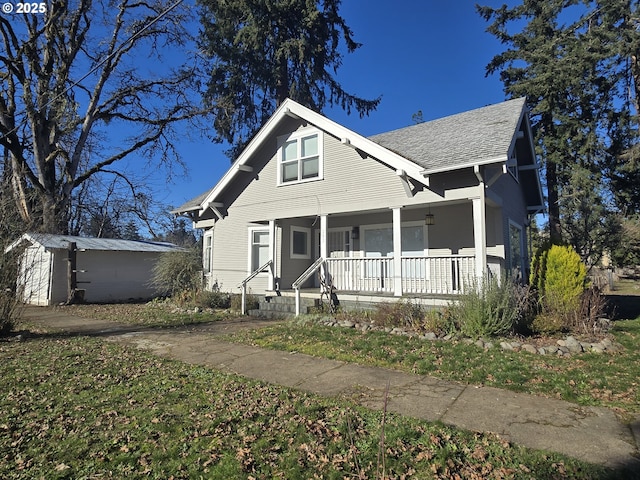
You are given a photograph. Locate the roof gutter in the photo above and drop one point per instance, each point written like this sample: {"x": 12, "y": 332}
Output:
{"x": 488, "y": 161}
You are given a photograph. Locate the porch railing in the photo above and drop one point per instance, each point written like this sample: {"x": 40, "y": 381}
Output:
{"x": 430, "y": 275}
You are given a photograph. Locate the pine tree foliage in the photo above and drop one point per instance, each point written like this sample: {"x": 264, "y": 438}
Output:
{"x": 264, "y": 51}
{"x": 576, "y": 62}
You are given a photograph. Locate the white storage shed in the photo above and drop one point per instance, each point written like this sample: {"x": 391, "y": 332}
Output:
{"x": 106, "y": 270}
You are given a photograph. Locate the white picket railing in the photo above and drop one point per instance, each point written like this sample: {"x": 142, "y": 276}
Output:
{"x": 432, "y": 275}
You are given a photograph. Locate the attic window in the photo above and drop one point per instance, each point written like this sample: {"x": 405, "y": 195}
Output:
{"x": 300, "y": 158}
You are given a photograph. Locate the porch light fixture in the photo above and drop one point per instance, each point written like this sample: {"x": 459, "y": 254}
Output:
{"x": 355, "y": 233}
{"x": 429, "y": 219}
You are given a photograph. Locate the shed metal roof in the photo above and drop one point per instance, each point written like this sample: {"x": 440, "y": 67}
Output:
{"x": 51, "y": 241}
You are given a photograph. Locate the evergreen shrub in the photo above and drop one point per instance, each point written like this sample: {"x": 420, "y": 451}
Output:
{"x": 560, "y": 279}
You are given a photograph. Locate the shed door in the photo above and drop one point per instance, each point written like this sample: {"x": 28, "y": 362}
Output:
{"x": 35, "y": 276}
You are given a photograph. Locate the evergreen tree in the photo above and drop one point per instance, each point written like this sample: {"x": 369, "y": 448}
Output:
{"x": 573, "y": 62}
{"x": 263, "y": 51}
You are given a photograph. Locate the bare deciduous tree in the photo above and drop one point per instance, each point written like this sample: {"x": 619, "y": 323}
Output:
{"x": 76, "y": 96}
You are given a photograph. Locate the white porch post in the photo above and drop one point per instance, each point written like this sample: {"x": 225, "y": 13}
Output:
{"x": 480, "y": 236}
{"x": 324, "y": 248}
{"x": 272, "y": 255}
{"x": 397, "y": 252}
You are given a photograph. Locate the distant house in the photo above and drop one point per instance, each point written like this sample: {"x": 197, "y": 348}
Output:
{"x": 106, "y": 270}
{"x": 419, "y": 211}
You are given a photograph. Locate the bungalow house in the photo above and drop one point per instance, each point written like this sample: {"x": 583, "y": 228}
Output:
{"x": 420, "y": 211}
{"x": 54, "y": 268}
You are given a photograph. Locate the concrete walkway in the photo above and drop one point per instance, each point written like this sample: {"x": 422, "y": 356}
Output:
{"x": 593, "y": 434}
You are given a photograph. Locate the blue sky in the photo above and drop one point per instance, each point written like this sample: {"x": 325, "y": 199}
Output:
{"x": 427, "y": 55}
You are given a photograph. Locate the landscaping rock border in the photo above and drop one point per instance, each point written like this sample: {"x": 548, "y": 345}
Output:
{"x": 565, "y": 347}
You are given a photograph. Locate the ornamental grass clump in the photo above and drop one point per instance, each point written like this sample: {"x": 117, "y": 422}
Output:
{"x": 178, "y": 274}
{"x": 487, "y": 308}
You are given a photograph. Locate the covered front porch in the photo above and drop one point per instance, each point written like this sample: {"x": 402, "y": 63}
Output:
{"x": 421, "y": 251}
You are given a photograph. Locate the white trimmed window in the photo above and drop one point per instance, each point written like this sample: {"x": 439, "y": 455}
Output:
{"x": 207, "y": 252}
{"x": 300, "y": 242}
{"x": 258, "y": 248}
{"x": 300, "y": 157}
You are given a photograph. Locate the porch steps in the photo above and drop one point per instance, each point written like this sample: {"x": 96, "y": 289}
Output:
{"x": 274, "y": 306}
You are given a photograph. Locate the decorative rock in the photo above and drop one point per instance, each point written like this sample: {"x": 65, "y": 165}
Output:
{"x": 506, "y": 346}
{"x": 573, "y": 345}
{"x": 604, "y": 323}
{"x": 563, "y": 347}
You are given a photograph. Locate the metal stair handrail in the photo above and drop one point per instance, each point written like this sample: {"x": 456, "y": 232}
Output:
{"x": 243, "y": 284}
{"x": 307, "y": 273}
{"x": 255, "y": 273}
{"x": 303, "y": 278}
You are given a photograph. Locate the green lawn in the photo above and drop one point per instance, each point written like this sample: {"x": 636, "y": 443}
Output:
{"x": 82, "y": 408}
{"x": 610, "y": 379}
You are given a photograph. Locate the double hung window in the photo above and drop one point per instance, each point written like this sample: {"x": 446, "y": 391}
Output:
{"x": 208, "y": 249}
{"x": 259, "y": 248}
{"x": 300, "y": 158}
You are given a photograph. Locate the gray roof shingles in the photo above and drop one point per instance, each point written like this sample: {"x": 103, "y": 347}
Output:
{"x": 457, "y": 140}
{"x": 446, "y": 143}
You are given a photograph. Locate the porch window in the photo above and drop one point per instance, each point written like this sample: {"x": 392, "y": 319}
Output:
{"x": 300, "y": 242}
{"x": 300, "y": 158}
{"x": 259, "y": 248}
{"x": 378, "y": 242}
